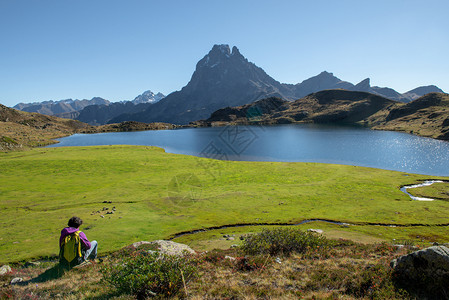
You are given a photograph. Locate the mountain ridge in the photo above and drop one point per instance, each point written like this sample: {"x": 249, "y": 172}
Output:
{"x": 225, "y": 78}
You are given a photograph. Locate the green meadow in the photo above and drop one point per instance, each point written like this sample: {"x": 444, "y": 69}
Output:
{"x": 157, "y": 194}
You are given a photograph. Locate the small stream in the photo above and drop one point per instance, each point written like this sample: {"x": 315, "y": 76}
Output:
{"x": 425, "y": 183}
{"x": 403, "y": 189}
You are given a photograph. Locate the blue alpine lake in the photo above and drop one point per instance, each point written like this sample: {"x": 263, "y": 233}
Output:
{"x": 290, "y": 143}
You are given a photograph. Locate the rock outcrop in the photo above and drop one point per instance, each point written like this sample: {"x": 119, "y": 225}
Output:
{"x": 167, "y": 247}
{"x": 426, "y": 271}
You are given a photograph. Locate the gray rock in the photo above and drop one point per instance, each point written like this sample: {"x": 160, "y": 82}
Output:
{"x": 168, "y": 247}
{"x": 16, "y": 280}
{"x": 5, "y": 269}
{"x": 426, "y": 269}
{"x": 230, "y": 238}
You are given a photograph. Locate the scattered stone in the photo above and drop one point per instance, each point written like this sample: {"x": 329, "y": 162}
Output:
{"x": 32, "y": 263}
{"x": 278, "y": 260}
{"x": 105, "y": 201}
{"x": 315, "y": 230}
{"x": 226, "y": 236}
{"x": 5, "y": 269}
{"x": 168, "y": 247}
{"x": 102, "y": 216}
{"x": 110, "y": 212}
{"x": 399, "y": 246}
{"x": 229, "y": 257}
{"x": 426, "y": 269}
{"x": 234, "y": 246}
{"x": 16, "y": 280}
{"x": 230, "y": 238}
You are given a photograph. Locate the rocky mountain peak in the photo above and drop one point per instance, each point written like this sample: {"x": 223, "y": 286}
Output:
{"x": 363, "y": 85}
{"x": 148, "y": 97}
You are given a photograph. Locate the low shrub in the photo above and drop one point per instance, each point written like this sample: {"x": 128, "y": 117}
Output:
{"x": 282, "y": 241}
{"x": 147, "y": 274}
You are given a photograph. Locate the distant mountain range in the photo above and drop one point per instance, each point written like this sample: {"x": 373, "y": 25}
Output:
{"x": 59, "y": 107}
{"x": 224, "y": 78}
{"x": 96, "y": 111}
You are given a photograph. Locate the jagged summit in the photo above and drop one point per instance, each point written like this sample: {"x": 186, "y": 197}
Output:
{"x": 363, "y": 86}
{"x": 148, "y": 97}
{"x": 219, "y": 54}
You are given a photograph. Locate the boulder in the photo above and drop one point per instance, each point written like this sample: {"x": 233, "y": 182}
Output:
{"x": 425, "y": 270}
{"x": 16, "y": 280}
{"x": 5, "y": 269}
{"x": 167, "y": 247}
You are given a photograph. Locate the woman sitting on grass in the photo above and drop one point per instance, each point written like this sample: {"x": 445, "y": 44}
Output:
{"x": 74, "y": 247}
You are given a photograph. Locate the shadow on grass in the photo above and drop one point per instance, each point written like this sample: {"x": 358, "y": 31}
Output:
{"x": 53, "y": 273}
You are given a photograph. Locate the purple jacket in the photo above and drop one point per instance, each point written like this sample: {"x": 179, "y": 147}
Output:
{"x": 69, "y": 230}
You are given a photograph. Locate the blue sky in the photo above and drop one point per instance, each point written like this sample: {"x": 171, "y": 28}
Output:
{"x": 51, "y": 50}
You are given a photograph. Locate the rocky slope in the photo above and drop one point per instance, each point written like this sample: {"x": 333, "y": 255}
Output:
{"x": 329, "y": 106}
{"x": 425, "y": 116}
{"x": 222, "y": 78}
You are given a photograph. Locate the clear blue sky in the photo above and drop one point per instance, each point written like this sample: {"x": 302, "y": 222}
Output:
{"x": 51, "y": 50}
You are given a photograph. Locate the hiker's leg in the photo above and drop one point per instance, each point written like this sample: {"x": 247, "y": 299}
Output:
{"x": 92, "y": 252}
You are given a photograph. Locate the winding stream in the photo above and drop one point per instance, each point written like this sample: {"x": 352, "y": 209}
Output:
{"x": 403, "y": 189}
{"x": 425, "y": 183}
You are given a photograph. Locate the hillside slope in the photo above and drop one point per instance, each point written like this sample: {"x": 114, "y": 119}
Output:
{"x": 20, "y": 129}
{"x": 425, "y": 116}
{"x": 329, "y": 106}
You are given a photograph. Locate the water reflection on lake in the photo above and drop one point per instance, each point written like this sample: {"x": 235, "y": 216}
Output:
{"x": 301, "y": 143}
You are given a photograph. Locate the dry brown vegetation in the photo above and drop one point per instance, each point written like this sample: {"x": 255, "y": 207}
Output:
{"x": 346, "y": 270}
{"x": 21, "y": 130}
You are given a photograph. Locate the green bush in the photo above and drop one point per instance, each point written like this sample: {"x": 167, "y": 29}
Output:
{"x": 282, "y": 241}
{"x": 145, "y": 274}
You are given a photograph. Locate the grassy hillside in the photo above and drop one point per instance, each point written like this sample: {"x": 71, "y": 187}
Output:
{"x": 19, "y": 130}
{"x": 22, "y": 129}
{"x": 157, "y": 194}
{"x": 426, "y": 116}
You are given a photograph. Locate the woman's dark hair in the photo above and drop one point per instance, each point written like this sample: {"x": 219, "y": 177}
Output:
{"x": 75, "y": 222}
